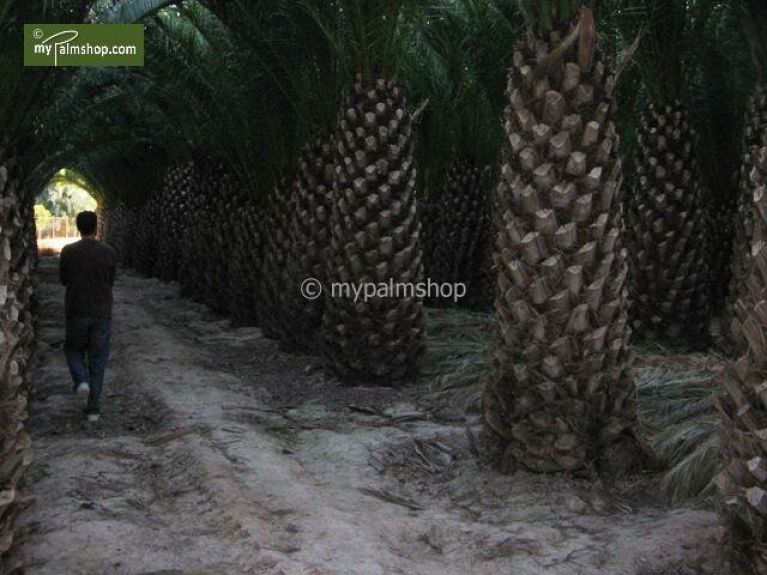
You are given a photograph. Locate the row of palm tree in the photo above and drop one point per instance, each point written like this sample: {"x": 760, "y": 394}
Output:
{"x": 584, "y": 167}
{"x": 22, "y": 94}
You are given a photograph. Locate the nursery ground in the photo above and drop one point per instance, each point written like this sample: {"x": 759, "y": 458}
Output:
{"x": 219, "y": 453}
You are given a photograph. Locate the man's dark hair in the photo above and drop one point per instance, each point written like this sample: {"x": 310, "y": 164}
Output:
{"x": 86, "y": 223}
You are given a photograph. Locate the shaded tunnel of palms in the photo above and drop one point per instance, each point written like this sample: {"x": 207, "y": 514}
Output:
{"x": 363, "y": 145}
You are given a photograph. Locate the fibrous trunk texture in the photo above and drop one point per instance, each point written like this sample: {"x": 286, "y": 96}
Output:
{"x": 739, "y": 301}
{"x": 142, "y": 250}
{"x": 483, "y": 285}
{"x": 743, "y": 483}
{"x": 668, "y": 224}
{"x": 561, "y": 395}
{"x": 175, "y": 218}
{"x": 213, "y": 200}
{"x": 274, "y": 225}
{"x": 296, "y": 232}
{"x": 375, "y": 240}
{"x": 17, "y": 337}
{"x": 462, "y": 226}
{"x": 311, "y": 206}
{"x": 428, "y": 214}
{"x": 118, "y": 228}
{"x": 199, "y": 229}
{"x": 102, "y": 219}
{"x": 244, "y": 263}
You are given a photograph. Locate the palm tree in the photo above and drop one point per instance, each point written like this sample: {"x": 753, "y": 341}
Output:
{"x": 295, "y": 229}
{"x": 459, "y": 137}
{"x": 743, "y": 484}
{"x": 374, "y": 225}
{"x": 189, "y": 104}
{"x": 668, "y": 208}
{"x": 20, "y": 101}
{"x": 561, "y": 397}
{"x": 740, "y": 299}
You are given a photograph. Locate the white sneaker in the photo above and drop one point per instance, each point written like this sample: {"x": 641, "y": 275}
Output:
{"x": 83, "y": 389}
{"x": 93, "y": 417}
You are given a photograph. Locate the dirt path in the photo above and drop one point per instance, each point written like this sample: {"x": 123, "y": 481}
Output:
{"x": 217, "y": 453}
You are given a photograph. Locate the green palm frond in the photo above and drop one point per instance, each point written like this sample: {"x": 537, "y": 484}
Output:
{"x": 721, "y": 81}
{"x": 369, "y": 37}
{"x": 676, "y": 409}
{"x": 456, "y": 63}
{"x": 191, "y": 95}
{"x": 755, "y": 24}
{"x": 549, "y": 15}
{"x": 129, "y": 11}
{"x": 667, "y": 42}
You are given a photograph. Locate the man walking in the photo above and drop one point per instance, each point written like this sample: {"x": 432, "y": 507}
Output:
{"x": 87, "y": 269}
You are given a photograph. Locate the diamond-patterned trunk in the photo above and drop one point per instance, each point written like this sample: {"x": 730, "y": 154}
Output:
{"x": 212, "y": 200}
{"x": 429, "y": 216}
{"x": 274, "y": 225}
{"x": 462, "y": 217}
{"x": 142, "y": 253}
{"x": 739, "y": 302}
{"x": 668, "y": 223}
{"x": 118, "y": 228}
{"x": 743, "y": 483}
{"x": 245, "y": 258}
{"x": 374, "y": 239}
{"x": 311, "y": 207}
{"x": 18, "y": 263}
{"x": 561, "y": 395}
{"x": 175, "y": 216}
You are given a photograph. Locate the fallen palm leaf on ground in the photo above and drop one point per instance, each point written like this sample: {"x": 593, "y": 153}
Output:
{"x": 674, "y": 392}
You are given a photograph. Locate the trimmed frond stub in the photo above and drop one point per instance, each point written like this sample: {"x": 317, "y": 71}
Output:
{"x": 561, "y": 397}
{"x": 743, "y": 483}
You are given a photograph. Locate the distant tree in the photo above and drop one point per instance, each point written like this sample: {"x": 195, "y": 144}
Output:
{"x": 65, "y": 196}
{"x": 42, "y": 216}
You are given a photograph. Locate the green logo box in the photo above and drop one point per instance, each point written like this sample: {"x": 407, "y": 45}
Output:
{"x": 83, "y": 45}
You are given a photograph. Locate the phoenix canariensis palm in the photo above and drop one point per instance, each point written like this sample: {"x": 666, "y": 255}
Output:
{"x": 455, "y": 66}
{"x": 668, "y": 208}
{"x": 374, "y": 225}
{"x": 743, "y": 483}
{"x": 754, "y": 136}
{"x": 561, "y": 397}
{"x": 21, "y": 100}
{"x": 295, "y": 55}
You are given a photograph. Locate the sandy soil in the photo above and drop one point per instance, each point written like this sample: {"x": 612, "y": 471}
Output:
{"x": 217, "y": 453}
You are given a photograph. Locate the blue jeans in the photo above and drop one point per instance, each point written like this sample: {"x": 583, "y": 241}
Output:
{"x": 88, "y": 336}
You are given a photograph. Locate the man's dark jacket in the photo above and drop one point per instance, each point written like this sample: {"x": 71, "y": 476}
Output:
{"x": 88, "y": 268}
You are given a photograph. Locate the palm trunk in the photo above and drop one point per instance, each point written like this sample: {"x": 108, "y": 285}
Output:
{"x": 561, "y": 395}
{"x": 462, "y": 224}
{"x": 740, "y": 301}
{"x": 245, "y": 261}
{"x": 274, "y": 226}
{"x": 143, "y": 251}
{"x": 668, "y": 224}
{"x": 375, "y": 239}
{"x": 118, "y": 227}
{"x": 743, "y": 483}
{"x": 175, "y": 216}
{"x": 17, "y": 330}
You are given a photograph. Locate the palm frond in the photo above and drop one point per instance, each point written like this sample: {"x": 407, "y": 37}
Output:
{"x": 677, "y": 412}
{"x": 130, "y": 11}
